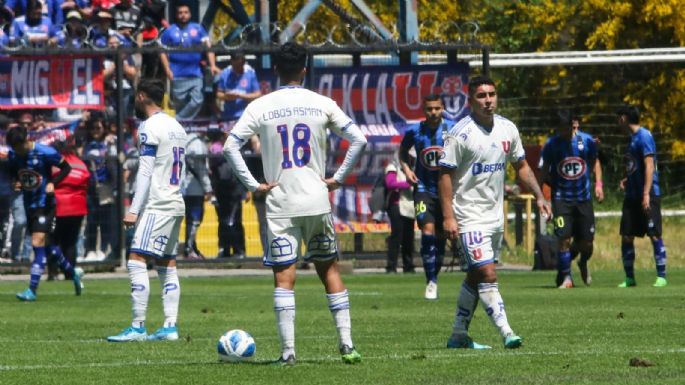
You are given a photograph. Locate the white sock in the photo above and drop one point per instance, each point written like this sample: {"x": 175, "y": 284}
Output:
{"x": 284, "y": 307}
{"x": 494, "y": 307}
{"x": 140, "y": 291}
{"x": 171, "y": 294}
{"x": 466, "y": 305}
{"x": 339, "y": 305}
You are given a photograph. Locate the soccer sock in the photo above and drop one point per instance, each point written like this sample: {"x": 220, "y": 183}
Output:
{"x": 628, "y": 256}
{"x": 660, "y": 257}
{"x": 171, "y": 294}
{"x": 284, "y": 307}
{"x": 466, "y": 304}
{"x": 140, "y": 291}
{"x": 494, "y": 306}
{"x": 339, "y": 305}
{"x": 37, "y": 267}
{"x": 565, "y": 263}
{"x": 429, "y": 252}
{"x": 62, "y": 261}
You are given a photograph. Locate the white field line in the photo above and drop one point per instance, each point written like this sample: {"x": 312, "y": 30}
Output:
{"x": 444, "y": 355}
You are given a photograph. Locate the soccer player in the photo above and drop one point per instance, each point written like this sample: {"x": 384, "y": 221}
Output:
{"x": 471, "y": 185}
{"x": 292, "y": 123}
{"x": 641, "y": 207}
{"x": 427, "y": 139}
{"x": 157, "y": 211}
{"x": 31, "y": 167}
{"x": 566, "y": 161}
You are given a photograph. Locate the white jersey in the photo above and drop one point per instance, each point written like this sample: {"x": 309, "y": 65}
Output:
{"x": 292, "y": 125}
{"x": 480, "y": 160}
{"x": 164, "y": 138}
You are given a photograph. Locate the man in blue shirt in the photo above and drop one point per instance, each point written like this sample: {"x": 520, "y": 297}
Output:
{"x": 184, "y": 69}
{"x": 427, "y": 139}
{"x": 237, "y": 87}
{"x": 641, "y": 204}
{"x": 566, "y": 161}
{"x": 31, "y": 167}
{"x": 32, "y": 29}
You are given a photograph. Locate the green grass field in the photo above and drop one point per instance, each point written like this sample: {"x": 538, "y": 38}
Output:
{"x": 579, "y": 336}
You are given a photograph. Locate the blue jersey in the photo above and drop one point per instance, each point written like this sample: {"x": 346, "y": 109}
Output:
{"x": 185, "y": 64}
{"x": 244, "y": 83}
{"x": 641, "y": 145}
{"x": 34, "y": 171}
{"x": 569, "y": 163}
{"x": 21, "y": 31}
{"x": 428, "y": 145}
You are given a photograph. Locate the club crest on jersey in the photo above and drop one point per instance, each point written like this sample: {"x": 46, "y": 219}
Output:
{"x": 30, "y": 180}
{"x": 506, "y": 145}
{"x": 631, "y": 164}
{"x": 430, "y": 156}
{"x": 572, "y": 168}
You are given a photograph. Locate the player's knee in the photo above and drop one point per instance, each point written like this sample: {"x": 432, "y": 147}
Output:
{"x": 564, "y": 244}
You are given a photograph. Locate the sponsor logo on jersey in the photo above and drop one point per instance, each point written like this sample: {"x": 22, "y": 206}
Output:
{"x": 572, "y": 168}
{"x": 483, "y": 168}
{"x": 143, "y": 138}
{"x": 30, "y": 180}
{"x": 631, "y": 164}
{"x": 430, "y": 156}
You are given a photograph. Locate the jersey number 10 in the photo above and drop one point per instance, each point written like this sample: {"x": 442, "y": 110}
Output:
{"x": 301, "y": 150}
{"x": 177, "y": 167}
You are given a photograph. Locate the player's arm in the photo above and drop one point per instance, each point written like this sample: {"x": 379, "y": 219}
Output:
{"x": 599, "y": 187}
{"x": 243, "y": 130}
{"x": 649, "y": 176}
{"x": 526, "y": 175}
{"x": 407, "y": 143}
{"x": 146, "y": 165}
{"x": 343, "y": 126}
{"x": 448, "y": 169}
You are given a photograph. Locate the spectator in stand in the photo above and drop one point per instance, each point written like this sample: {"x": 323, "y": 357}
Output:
{"x": 130, "y": 73}
{"x": 6, "y": 17}
{"x": 101, "y": 30}
{"x": 32, "y": 29}
{"x": 196, "y": 189}
{"x": 237, "y": 87}
{"x": 51, "y": 9}
{"x": 184, "y": 69}
{"x": 229, "y": 193}
{"x": 127, "y": 18}
{"x": 100, "y": 156}
{"x": 71, "y": 203}
{"x": 73, "y": 34}
{"x": 5, "y": 192}
{"x": 400, "y": 204}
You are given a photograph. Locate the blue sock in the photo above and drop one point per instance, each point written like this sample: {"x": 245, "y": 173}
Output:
{"x": 37, "y": 267}
{"x": 564, "y": 264}
{"x": 62, "y": 261}
{"x": 628, "y": 256}
{"x": 429, "y": 252}
{"x": 660, "y": 257}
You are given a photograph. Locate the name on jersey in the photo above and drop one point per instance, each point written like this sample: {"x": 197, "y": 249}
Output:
{"x": 572, "y": 168}
{"x": 430, "y": 156}
{"x": 482, "y": 168}
{"x": 292, "y": 111}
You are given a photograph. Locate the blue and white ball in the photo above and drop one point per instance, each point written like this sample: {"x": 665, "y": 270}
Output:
{"x": 236, "y": 346}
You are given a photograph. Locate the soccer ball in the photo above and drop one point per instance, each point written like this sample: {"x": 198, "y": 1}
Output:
{"x": 236, "y": 346}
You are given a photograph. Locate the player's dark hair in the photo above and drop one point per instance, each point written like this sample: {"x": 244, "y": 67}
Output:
{"x": 180, "y": 4}
{"x": 478, "y": 81}
{"x": 290, "y": 60}
{"x": 153, "y": 89}
{"x": 432, "y": 98}
{"x": 567, "y": 116}
{"x": 16, "y": 136}
{"x": 631, "y": 112}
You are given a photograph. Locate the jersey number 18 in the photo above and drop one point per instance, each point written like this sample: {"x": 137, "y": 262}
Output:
{"x": 301, "y": 152}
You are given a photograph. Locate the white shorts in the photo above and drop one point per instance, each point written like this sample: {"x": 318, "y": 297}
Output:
{"x": 286, "y": 235}
{"x": 156, "y": 235}
{"x": 480, "y": 248}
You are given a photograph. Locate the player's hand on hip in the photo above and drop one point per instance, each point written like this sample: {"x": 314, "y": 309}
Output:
{"x": 130, "y": 219}
{"x": 50, "y": 188}
{"x": 266, "y": 187}
{"x": 332, "y": 184}
{"x": 545, "y": 209}
{"x": 451, "y": 228}
{"x": 622, "y": 184}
